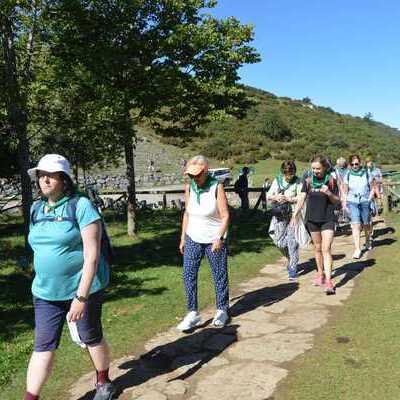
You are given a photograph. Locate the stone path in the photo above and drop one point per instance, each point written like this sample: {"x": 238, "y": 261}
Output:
{"x": 273, "y": 321}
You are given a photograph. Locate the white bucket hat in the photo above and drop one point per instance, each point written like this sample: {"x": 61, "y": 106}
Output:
{"x": 50, "y": 163}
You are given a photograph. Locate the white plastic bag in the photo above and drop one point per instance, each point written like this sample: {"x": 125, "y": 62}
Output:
{"x": 73, "y": 331}
{"x": 301, "y": 234}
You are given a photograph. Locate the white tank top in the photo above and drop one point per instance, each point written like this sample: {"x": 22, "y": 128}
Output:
{"x": 204, "y": 221}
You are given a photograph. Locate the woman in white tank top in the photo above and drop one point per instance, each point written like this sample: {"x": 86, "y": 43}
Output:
{"x": 204, "y": 228}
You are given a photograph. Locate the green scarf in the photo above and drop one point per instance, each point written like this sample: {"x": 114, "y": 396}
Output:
{"x": 281, "y": 179}
{"x": 52, "y": 207}
{"x": 318, "y": 183}
{"x": 197, "y": 190}
{"x": 360, "y": 172}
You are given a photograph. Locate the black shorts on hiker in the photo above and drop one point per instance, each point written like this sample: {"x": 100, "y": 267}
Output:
{"x": 50, "y": 317}
{"x": 320, "y": 226}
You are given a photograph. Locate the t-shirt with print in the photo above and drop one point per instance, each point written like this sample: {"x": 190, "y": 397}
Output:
{"x": 319, "y": 207}
{"x": 58, "y": 253}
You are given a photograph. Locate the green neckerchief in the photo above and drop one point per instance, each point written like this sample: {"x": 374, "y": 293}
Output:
{"x": 281, "y": 179}
{"x": 197, "y": 190}
{"x": 318, "y": 183}
{"x": 360, "y": 172}
{"x": 52, "y": 207}
{"x": 372, "y": 168}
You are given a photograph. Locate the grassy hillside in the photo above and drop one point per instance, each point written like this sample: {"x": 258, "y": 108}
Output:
{"x": 281, "y": 128}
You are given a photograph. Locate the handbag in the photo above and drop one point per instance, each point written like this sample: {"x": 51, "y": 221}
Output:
{"x": 281, "y": 210}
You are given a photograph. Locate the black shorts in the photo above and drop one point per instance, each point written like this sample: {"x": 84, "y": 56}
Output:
{"x": 320, "y": 226}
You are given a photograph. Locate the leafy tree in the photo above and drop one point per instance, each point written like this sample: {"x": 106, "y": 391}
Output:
{"x": 18, "y": 32}
{"x": 75, "y": 118}
{"x": 164, "y": 61}
{"x": 306, "y": 100}
{"x": 368, "y": 116}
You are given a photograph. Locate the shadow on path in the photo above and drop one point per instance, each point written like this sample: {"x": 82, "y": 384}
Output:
{"x": 199, "y": 348}
{"x": 262, "y": 298}
{"x": 351, "y": 270}
{"x": 192, "y": 351}
{"x": 309, "y": 266}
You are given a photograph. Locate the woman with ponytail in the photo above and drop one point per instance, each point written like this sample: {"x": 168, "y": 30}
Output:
{"x": 320, "y": 194}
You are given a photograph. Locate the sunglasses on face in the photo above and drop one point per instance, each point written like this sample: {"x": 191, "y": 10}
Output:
{"x": 355, "y": 164}
{"x": 194, "y": 176}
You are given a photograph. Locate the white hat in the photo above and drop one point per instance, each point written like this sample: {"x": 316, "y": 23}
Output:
{"x": 50, "y": 163}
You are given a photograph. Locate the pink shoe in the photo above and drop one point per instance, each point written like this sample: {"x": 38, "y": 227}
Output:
{"x": 319, "y": 280}
{"x": 329, "y": 287}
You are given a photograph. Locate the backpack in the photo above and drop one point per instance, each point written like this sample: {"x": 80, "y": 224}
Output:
{"x": 106, "y": 249}
{"x": 366, "y": 175}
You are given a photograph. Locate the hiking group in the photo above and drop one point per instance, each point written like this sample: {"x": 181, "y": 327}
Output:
{"x": 72, "y": 252}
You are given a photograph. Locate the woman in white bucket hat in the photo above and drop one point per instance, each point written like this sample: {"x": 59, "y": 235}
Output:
{"x": 70, "y": 274}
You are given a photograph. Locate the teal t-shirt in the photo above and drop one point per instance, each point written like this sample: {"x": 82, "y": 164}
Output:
{"x": 58, "y": 253}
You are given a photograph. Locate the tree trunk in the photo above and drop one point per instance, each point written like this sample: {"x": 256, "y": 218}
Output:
{"x": 17, "y": 118}
{"x": 75, "y": 169}
{"x": 130, "y": 174}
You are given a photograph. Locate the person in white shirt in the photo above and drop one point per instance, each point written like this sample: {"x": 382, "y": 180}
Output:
{"x": 204, "y": 227}
{"x": 284, "y": 191}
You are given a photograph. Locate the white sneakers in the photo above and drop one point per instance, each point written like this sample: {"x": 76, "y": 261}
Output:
{"x": 357, "y": 254}
{"x": 193, "y": 319}
{"x": 220, "y": 319}
{"x": 368, "y": 245}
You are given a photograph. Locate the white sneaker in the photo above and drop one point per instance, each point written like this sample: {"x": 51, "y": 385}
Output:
{"x": 191, "y": 320}
{"x": 357, "y": 254}
{"x": 221, "y": 318}
{"x": 368, "y": 245}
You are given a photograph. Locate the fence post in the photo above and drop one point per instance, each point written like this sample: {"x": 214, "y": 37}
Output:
{"x": 386, "y": 200}
{"x": 264, "y": 198}
{"x": 164, "y": 201}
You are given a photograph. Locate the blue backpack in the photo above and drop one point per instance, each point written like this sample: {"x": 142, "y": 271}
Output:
{"x": 106, "y": 249}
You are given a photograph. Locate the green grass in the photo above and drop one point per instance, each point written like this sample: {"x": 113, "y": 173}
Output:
{"x": 357, "y": 355}
{"x": 146, "y": 295}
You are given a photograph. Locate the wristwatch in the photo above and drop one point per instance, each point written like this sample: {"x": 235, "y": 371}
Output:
{"x": 81, "y": 299}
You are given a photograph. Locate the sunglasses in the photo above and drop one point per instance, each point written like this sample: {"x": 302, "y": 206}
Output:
{"x": 355, "y": 164}
{"x": 194, "y": 176}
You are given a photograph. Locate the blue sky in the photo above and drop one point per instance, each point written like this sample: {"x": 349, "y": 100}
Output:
{"x": 343, "y": 54}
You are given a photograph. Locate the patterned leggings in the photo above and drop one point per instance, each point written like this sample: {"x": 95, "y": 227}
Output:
{"x": 286, "y": 241}
{"x": 192, "y": 256}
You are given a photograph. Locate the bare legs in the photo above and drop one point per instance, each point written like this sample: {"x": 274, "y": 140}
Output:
{"x": 100, "y": 355}
{"x": 39, "y": 369}
{"x": 41, "y": 365}
{"x": 322, "y": 246}
{"x": 356, "y": 231}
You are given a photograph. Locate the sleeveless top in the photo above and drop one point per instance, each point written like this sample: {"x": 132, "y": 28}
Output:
{"x": 204, "y": 221}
